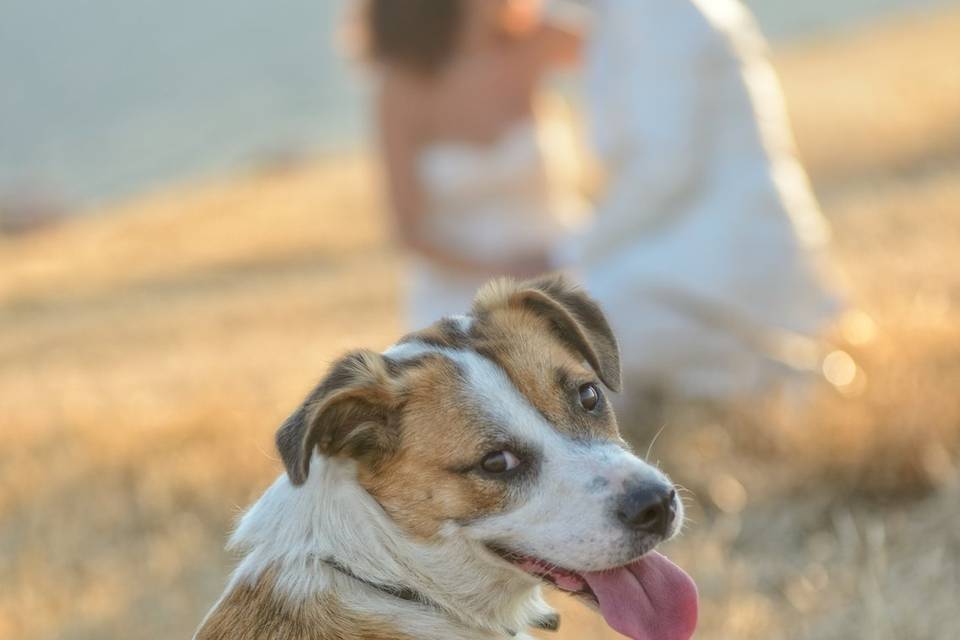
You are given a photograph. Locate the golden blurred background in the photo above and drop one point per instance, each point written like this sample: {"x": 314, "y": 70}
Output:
{"x": 149, "y": 348}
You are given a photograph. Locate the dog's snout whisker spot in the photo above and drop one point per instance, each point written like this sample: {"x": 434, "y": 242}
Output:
{"x": 683, "y": 488}
{"x": 598, "y": 484}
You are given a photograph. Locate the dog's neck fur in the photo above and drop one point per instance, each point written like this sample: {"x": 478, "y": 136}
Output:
{"x": 294, "y": 533}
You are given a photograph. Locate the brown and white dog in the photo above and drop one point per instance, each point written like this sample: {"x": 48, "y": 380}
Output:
{"x": 431, "y": 489}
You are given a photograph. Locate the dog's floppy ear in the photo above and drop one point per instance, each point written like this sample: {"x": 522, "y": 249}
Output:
{"x": 574, "y": 317}
{"x": 347, "y": 414}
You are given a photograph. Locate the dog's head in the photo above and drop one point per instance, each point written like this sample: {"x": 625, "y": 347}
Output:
{"x": 496, "y": 426}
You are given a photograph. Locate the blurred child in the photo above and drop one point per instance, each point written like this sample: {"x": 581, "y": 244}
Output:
{"x": 464, "y": 159}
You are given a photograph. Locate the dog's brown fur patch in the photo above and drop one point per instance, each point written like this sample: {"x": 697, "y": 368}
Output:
{"x": 254, "y": 611}
{"x": 422, "y": 485}
{"x": 573, "y": 318}
{"x": 520, "y": 342}
{"x": 446, "y": 333}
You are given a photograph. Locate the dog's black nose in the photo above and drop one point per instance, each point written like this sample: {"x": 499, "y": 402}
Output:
{"x": 650, "y": 508}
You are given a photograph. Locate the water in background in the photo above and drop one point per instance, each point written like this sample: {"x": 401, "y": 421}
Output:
{"x": 101, "y": 98}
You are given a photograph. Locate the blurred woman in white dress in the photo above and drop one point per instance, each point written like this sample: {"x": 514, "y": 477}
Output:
{"x": 466, "y": 162}
{"x": 706, "y": 249}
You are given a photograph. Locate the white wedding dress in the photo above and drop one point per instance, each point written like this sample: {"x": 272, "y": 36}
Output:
{"x": 705, "y": 248}
{"x": 488, "y": 202}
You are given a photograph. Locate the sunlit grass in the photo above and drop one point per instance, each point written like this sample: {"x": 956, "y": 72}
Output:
{"x": 148, "y": 352}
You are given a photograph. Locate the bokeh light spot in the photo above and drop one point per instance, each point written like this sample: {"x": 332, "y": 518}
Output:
{"x": 728, "y": 494}
{"x": 839, "y": 369}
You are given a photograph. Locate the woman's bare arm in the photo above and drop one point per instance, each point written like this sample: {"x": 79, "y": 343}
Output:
{"x": 400, "y": 141}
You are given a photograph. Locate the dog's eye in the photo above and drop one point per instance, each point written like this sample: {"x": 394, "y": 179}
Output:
{"x": 589, "y": 396}
{"x": 499, "y": 462}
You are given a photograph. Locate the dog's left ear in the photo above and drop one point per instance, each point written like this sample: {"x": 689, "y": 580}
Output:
{"x": 574, "y": 317}
{"x": 347, "y": 414}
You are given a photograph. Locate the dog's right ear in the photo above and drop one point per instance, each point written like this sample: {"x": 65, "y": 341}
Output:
{"x": 347, "y": 414}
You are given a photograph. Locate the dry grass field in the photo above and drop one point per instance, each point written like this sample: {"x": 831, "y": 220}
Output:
{"x": 148, "y": 351}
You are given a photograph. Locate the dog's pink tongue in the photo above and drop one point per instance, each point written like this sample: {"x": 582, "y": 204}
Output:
{"x": 651, "y": 599}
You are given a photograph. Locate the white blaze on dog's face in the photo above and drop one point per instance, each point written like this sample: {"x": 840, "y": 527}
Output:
{"x": 565, "y": 497}
{"x": 495, "y": 427}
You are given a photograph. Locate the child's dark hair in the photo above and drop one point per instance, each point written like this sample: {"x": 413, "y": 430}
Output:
{"x": 420, "y": 35}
